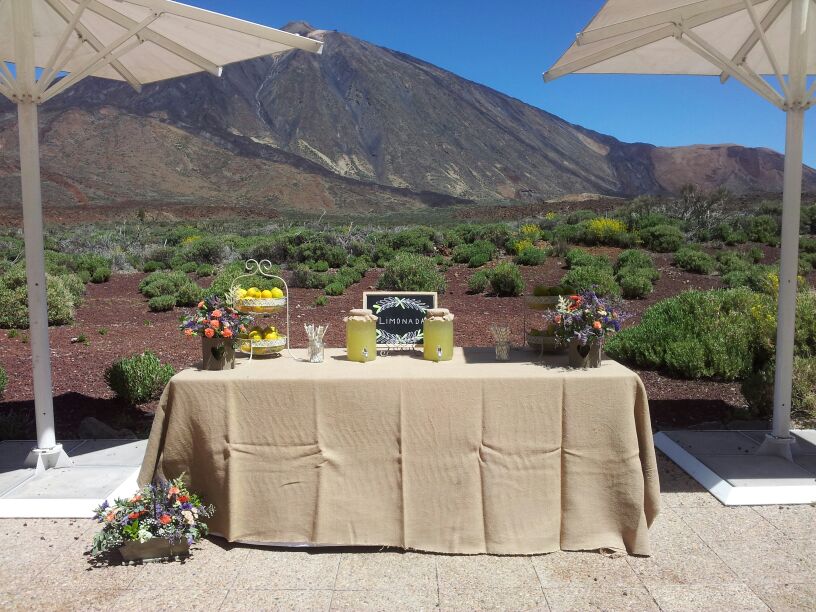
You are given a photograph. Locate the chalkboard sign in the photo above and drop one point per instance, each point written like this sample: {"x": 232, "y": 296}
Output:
{"x": 400, "y": 315}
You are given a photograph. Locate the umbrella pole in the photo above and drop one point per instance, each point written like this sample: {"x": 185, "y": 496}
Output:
{"x": 48, "y": 453}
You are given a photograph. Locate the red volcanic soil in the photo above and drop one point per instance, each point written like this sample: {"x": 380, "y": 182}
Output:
{"x": 116, "y": 322}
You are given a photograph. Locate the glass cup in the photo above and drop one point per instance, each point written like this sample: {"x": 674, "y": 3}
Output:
{"x": 317, "y": 348}
{"x": 503, "y": 350}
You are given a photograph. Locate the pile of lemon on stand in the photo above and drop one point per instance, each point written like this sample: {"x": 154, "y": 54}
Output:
{"x": 261, "y": 340}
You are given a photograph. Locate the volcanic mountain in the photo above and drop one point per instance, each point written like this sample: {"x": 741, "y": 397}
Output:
{"x": 359, "y": 127}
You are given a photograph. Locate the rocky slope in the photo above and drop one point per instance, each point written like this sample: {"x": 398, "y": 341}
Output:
{"x": 357, "y": 128}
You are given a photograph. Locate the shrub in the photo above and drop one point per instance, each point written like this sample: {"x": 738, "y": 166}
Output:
{"x": 603, "y": 230}
{"x": 587, "y": 278}
{"x": 755, "y": 255}
{"x": 521, "y": 245}
{"x": 635, "y": 283}
{"x": 579, "y": 258}
{"x": 662, "y": 238}
{"x": 506, "y": 280}
{"x": 162, "y": 303}
{"x": 101, "y": 275}
{"x": 634, "y": 258}
{"x": 729, "y": 235}
{"x": 189, "y": 267}
{"x": 694, "y": 260}
{"x": 730, "y": 261}
{"x": 204, "y": 270}
{"x": 319, "y": 250}
{"x": 478, "y": 260}
{"x": 479, "y": 281}
{"x": 153, "y": 266}
{"x": 700, "y": 334}
{"x": 209, "y": 250}
{"x": 765, "y": 229}
{"x": 807, "y": 245}
{"x": 319, "y": 266}
{"x": 758, "y": 389}
{"x": 568, "y": 234}
{"x": 3, "y": 380}
{"x": 419, "y": 240}
{"x": 14, "y": 298}
{"x": 138, "y": 379}
{"x": 303, "y": 277}
{"x": 651, "y": 273}
{"x": 480, "y": 249}
{"x": 410, "y": 272}
{"x": 335, "y": 289}
{"x": 321, "y": 300}
{"x": 188, "y": 294}
{"x": 531, "y": 256}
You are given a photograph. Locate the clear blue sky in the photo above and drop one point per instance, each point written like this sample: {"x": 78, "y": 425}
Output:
{"x": 508, "y": 45}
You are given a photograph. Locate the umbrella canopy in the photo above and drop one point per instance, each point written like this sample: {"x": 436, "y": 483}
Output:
{"x": 747, "y": 40}
{"x": 48, "y": 45}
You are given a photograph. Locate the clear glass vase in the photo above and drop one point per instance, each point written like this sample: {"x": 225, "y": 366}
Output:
{"x": 503, "y": 350}
{"x": 316, "y": 349}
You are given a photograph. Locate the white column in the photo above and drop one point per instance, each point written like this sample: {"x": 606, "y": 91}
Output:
{"x": 35, "y": 270}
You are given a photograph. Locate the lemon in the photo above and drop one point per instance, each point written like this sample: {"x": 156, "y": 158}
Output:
{"x": 266, "y": 294}
{"x": 253, "y": 292}
{"x": 271, "y": 336}
{"x": 277, "y": 293}
{"x": 241, "y": 293}
{"x": 246, "y": 347}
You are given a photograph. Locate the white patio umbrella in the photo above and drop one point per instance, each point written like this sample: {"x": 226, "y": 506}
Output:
{"x": 48, "y": 45}
{"x": 742, "y": 39}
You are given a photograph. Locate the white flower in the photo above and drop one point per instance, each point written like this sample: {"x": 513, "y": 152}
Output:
{"x": 188, "y": 516}
{"x": 144, "y": 535}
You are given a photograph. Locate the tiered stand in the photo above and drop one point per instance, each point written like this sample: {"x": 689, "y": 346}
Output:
{"x": 265, "y": 307}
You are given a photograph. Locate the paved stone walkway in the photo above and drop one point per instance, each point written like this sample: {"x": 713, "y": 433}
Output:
{"x": 707, "y": 557}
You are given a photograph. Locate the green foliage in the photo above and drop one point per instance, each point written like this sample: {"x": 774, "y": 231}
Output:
{"x": 607, "y": 231}
{"x": 138, "y": 379}
{"x": 479, "y": 252}
{"x": 755, "y": 255}
{"x": 3, "y": 380}
{"x": 531, "y": 256}
{"x": 506, "y": 280}
{"x": 304, "y": 277}
{"x": 479, "y": 281}
{"x": 700, "y": 334}
{"x": 729, "y": 235}
{"x": 568, "y": 234}
{"x": 209, "y": 250}
{"x": 162, "y": 303}
{"x": 321, "y": 300}
{"x": 189, "y": 267}
{"x": 87, "y": 266}
{"x": 634, "y": 258}
{"x": 153, "y": 266}
{"x": 694, "y": 260}
{"x": 335, "y": 289}
{"x": 204, "y": 270}
{"x": 662, "y": 238}
{"x": 62, "y": 298}
{"x": 411, "y": 272}
{"x": 758, "y": 389}
{"x": 765, "y": 229}
{"x": 592, "y": 278}
{"x": 318, "y": 266}
{"x": 579, "y": 258}
{"x": 635, "y": 283}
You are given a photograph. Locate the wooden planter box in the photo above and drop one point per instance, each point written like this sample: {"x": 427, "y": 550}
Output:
{"x": 156, "y": 549}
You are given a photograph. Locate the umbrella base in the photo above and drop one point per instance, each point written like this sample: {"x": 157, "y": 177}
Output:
{"x": 779, "y": 447}
{"x": 42, "y": 459}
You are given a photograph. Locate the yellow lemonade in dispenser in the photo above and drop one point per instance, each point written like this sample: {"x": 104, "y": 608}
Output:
{"x": 361, "y": 335}
{"x": 438, "y": 335}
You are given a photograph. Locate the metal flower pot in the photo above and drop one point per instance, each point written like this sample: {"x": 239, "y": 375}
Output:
{"x": 587, "y": 356}
{"x": 217, "y": 354}
{"x": 153, "y": 550}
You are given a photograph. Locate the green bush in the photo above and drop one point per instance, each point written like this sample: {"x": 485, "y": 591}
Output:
{"x": 335, "y": 289}
{"x": 652, "y": 273}
{"x": 3, "y": 380}
{"x": 479, "y": 281}
{"x": 729, "y": 235}
{"x": 579, "y": 258}
{"x": 755, "y": 255}
{"x": 765, "y": 229}
{"x": 411, "y": 272}
{"x": 587, "y": 278}
{"x": 481, "y": 250}
{"x": 531, "y": 256}
{"x": 700, "y": 334}
{"x": 162, "y": 303}
{"x": 758, "y": 389}
{"x": 694, "y": 260}
{"x": 321, "y": 300}
{"x": 635, "y": 283}
{"x": 304, "y": 277}
{"x": 318, "y": 266}
{"x": 506, "y": 280}
{"x": 731, "y": 261}
{"x": 662, "y": 238}
{"x": 62, "y": 298}
{"x": 807, "y": 245}
{"x": 634, "y": 258}
{"x": 153, "y": 266}
{"x": 478, "y": 260}
{"x": 204, "y": 270}
{"x": 606, "y": 231}
{"x": 763, "y": 279}
{"x": 138, "y": 379}
{"x": 189, "y": 267}
{"x": 209, "y": 250}
{"x": 188, "y": 294}
{"x": 568, "y": 234}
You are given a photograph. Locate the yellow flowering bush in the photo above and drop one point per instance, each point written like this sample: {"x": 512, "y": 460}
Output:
{"x": 603, "y": 230}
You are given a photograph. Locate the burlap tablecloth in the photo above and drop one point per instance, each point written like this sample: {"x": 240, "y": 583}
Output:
{"x": 466, "y": 456}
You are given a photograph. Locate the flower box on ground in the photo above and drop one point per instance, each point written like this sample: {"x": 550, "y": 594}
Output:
{"x": 155, "y": 549}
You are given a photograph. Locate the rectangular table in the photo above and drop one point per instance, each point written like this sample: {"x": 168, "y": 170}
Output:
{"x": 465, "y": 456}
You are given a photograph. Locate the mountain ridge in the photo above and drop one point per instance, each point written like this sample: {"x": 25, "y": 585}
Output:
{"x": 360, "y": 127}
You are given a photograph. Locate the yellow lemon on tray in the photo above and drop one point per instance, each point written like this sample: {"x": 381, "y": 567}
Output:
{"x": 277, "y": 293}
{"x": 253, "y": 293}
{"x": 266, "y": 294}
{"x": 271, "y": 336}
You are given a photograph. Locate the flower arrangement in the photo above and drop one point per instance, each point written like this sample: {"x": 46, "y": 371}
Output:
{"x": 214, "y": 318}
{"x": 585, "y": 317}
{"x": 167, "y": 511}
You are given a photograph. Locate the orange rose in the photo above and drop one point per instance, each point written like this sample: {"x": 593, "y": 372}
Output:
{"x": 165, "y": 518}
{"x": 215, "y": 324}
{"x": 201, "y": 304}
{"x": 597, "y": 325}
{"x": 227, "y": 333}
{"x": 209, "y": 332}
{"x": 217, "y": 314}
{"x": 136, "y": 498}
{"x": 110, "y": 516}
{"x": 172, "y": 491}
{"x": 188, "y": 332}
